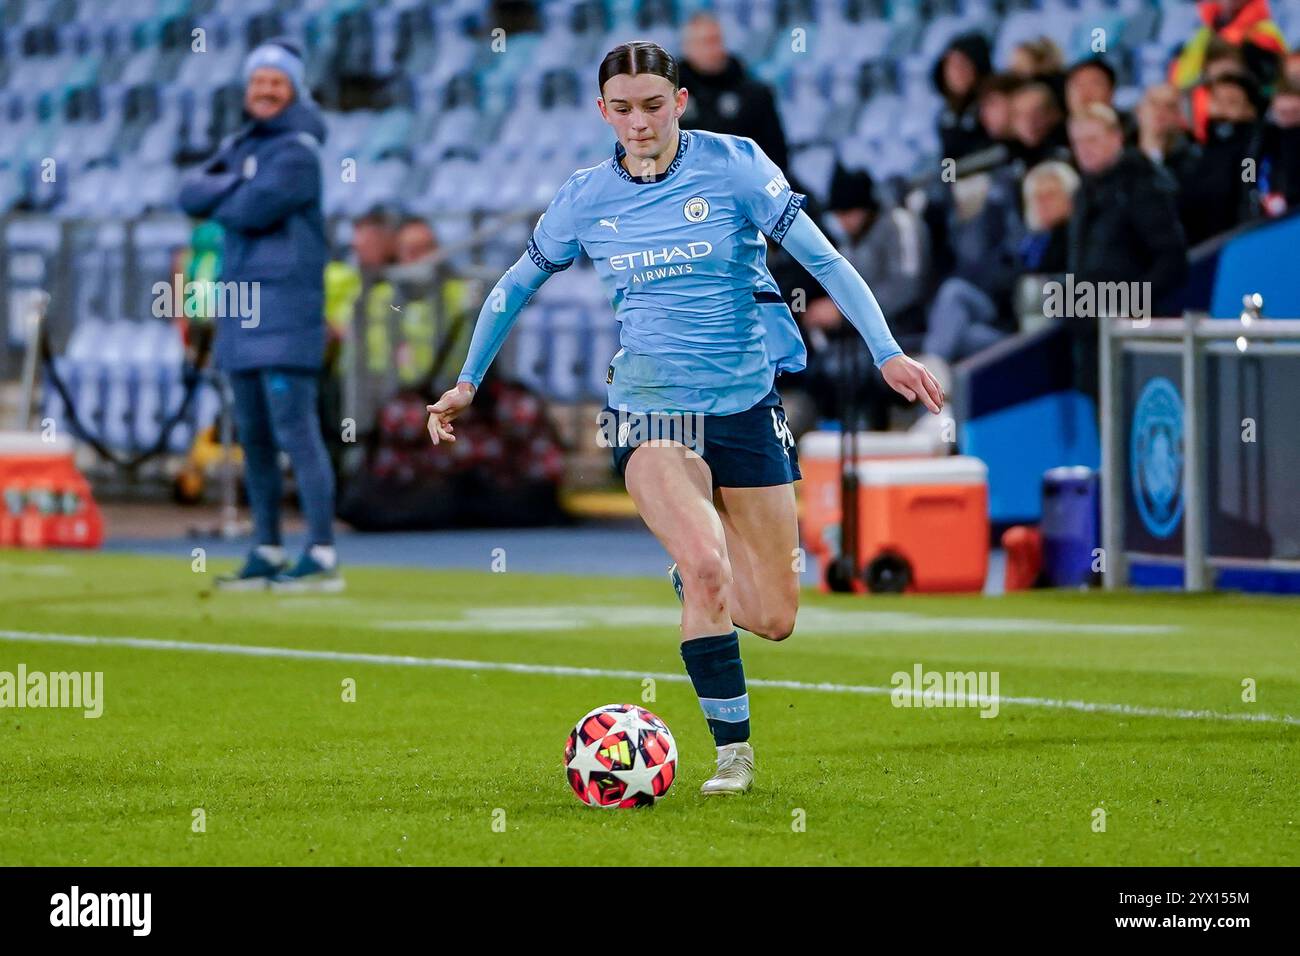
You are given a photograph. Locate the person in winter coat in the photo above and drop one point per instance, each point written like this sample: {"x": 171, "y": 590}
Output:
{"x": 957, "y": 75}
{"x": 1244, "y": 26}
{"x": 724, "y": 97}
{"x": 1216, "y": 196}
{"x": 264, "y": 187}
{"x": 890, "y": 248}
{"x": 1279, "y": 162}
{"x": 1125, "y": 224}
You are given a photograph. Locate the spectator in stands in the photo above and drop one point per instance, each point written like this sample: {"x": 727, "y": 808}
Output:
{"x": 995, "y": 94}
{"x": 1040, "y": 60}
{"x": 1038, "y": 124}
{"x": 1223, "y": 58}
{"x": 1162, "y": 132}
{"x": 1279, "y": 164}
{"x": 890, "y": 249}
{"x": 374, "y": 242}
{"x": 1245, "y": 24}
{"x": 415, "y": 241}
{"x": 264, "y": 188}
{"x": 1092, "y": 80}
{"x": 1037, "y": 59}
{"x": 412, "y": 279}
{"x": 1049, "y": 191}
{"x": 1217, "y": 195}
{"x": 1291, "y": 68}
{"x": 993, "y": 110}
{"x": 957, "y": 75}
{"x": 1124, "y": 227}
{"x": 724, "y": 98}
{"x": 374, "y": 249}
{"x": 964, "y": 317}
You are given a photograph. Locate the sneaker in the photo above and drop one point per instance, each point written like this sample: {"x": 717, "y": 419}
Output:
{"x": 735, "y": 770}
{"x": 308, "y": 575}
{"x": 675, "y": 577}
{"x": 255, "y": 575}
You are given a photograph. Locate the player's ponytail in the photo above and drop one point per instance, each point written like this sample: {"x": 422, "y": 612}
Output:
{"x": 638, "y": 56}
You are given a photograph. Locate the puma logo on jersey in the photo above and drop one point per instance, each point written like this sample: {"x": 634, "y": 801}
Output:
{"x": 612, "y": 223}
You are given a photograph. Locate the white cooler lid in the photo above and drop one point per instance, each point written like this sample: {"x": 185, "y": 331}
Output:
{"x": 31, "y": 443}
{"x": 954, "y": 470}
{"x": 875, "y": 445}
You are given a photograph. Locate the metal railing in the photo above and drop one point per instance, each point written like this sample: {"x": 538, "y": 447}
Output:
{"x": 1191, "y": 338}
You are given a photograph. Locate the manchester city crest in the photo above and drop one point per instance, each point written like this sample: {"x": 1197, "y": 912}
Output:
{"x": 1156, "y": 456}
{"x": 696, "y": 209}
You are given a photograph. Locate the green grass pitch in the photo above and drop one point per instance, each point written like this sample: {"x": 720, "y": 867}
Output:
{"x": 461, "y": 765}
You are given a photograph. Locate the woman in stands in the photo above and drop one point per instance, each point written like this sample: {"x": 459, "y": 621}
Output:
{"x": 672, "y": 223}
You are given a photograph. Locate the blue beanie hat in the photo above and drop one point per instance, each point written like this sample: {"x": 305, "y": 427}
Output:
{"x": 282, "y": 55}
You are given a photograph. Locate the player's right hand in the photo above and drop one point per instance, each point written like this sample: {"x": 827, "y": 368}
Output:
{"x": 454, "y": 401}
{"x": 913, "y": 381}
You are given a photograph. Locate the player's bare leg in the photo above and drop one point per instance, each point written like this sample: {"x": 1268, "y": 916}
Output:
{"x": 762, "y": 531}
{"x": 672, "y": 489}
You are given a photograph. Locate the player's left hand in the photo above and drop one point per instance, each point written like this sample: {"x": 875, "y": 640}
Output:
{"x": 912, "y": 380}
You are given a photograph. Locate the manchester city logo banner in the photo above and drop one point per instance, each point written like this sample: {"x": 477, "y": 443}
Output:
{"x": 1156, "y": 456}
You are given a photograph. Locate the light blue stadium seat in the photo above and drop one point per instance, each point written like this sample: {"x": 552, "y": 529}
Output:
{"x": 1029, "y": 24}
{"x": 218, "y": 64}
{"x": 940, "y": 32}
{"x": 812, "y": 166}
{"x": 12, "y": 189}
{"x": 1152, "y": 64}
{"x": 379, "y": 183}
{"x": 455, "y": 129}
{"x": 1177, "y": 24}
{"x": 389, "y": 134}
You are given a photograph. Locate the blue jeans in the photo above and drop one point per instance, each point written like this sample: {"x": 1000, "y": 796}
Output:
{"x": 961, "y": 321}
{"x": 275, "y": 409}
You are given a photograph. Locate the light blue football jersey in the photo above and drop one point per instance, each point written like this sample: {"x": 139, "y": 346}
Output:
{"x": 682, "y": 257}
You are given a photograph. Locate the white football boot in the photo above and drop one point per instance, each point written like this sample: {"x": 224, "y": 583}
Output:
{"x": 735, "y": 770}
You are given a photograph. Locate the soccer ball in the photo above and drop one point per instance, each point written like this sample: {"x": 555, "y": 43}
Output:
{"x": 620, "y": 755}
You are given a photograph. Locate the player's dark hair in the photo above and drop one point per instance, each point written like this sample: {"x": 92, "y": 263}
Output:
{"x": 638, "y": 56}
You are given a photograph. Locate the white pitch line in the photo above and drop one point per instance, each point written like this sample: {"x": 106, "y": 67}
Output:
{"x": 560, "y": 670}
{"x": 812, "y": 620}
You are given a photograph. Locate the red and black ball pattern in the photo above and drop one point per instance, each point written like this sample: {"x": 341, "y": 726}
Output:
{"x": 651, "y": 750}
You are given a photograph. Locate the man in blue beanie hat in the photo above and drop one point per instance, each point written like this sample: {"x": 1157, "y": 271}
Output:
{"x": 264, "y": 188}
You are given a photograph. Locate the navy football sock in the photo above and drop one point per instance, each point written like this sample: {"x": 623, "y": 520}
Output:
{"x": 718, "y": 676}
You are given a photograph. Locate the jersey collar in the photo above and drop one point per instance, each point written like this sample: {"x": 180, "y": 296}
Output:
{"x": 683, "y": 144}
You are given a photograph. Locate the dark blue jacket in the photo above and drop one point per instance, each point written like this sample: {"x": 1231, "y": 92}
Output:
{"x": 264, "y": 187}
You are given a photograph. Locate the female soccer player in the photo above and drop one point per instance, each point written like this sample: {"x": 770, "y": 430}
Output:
{"x": 671, "y": 223}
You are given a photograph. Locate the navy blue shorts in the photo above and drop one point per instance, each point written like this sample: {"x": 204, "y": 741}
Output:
{"x": 750, "y": 449}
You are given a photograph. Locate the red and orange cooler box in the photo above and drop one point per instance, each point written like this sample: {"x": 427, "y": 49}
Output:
{"x": 44, "y": 500}
{"x": 915, "y": 505}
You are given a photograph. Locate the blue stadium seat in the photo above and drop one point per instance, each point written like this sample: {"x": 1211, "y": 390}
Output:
{"x": 1177, "y": 24}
